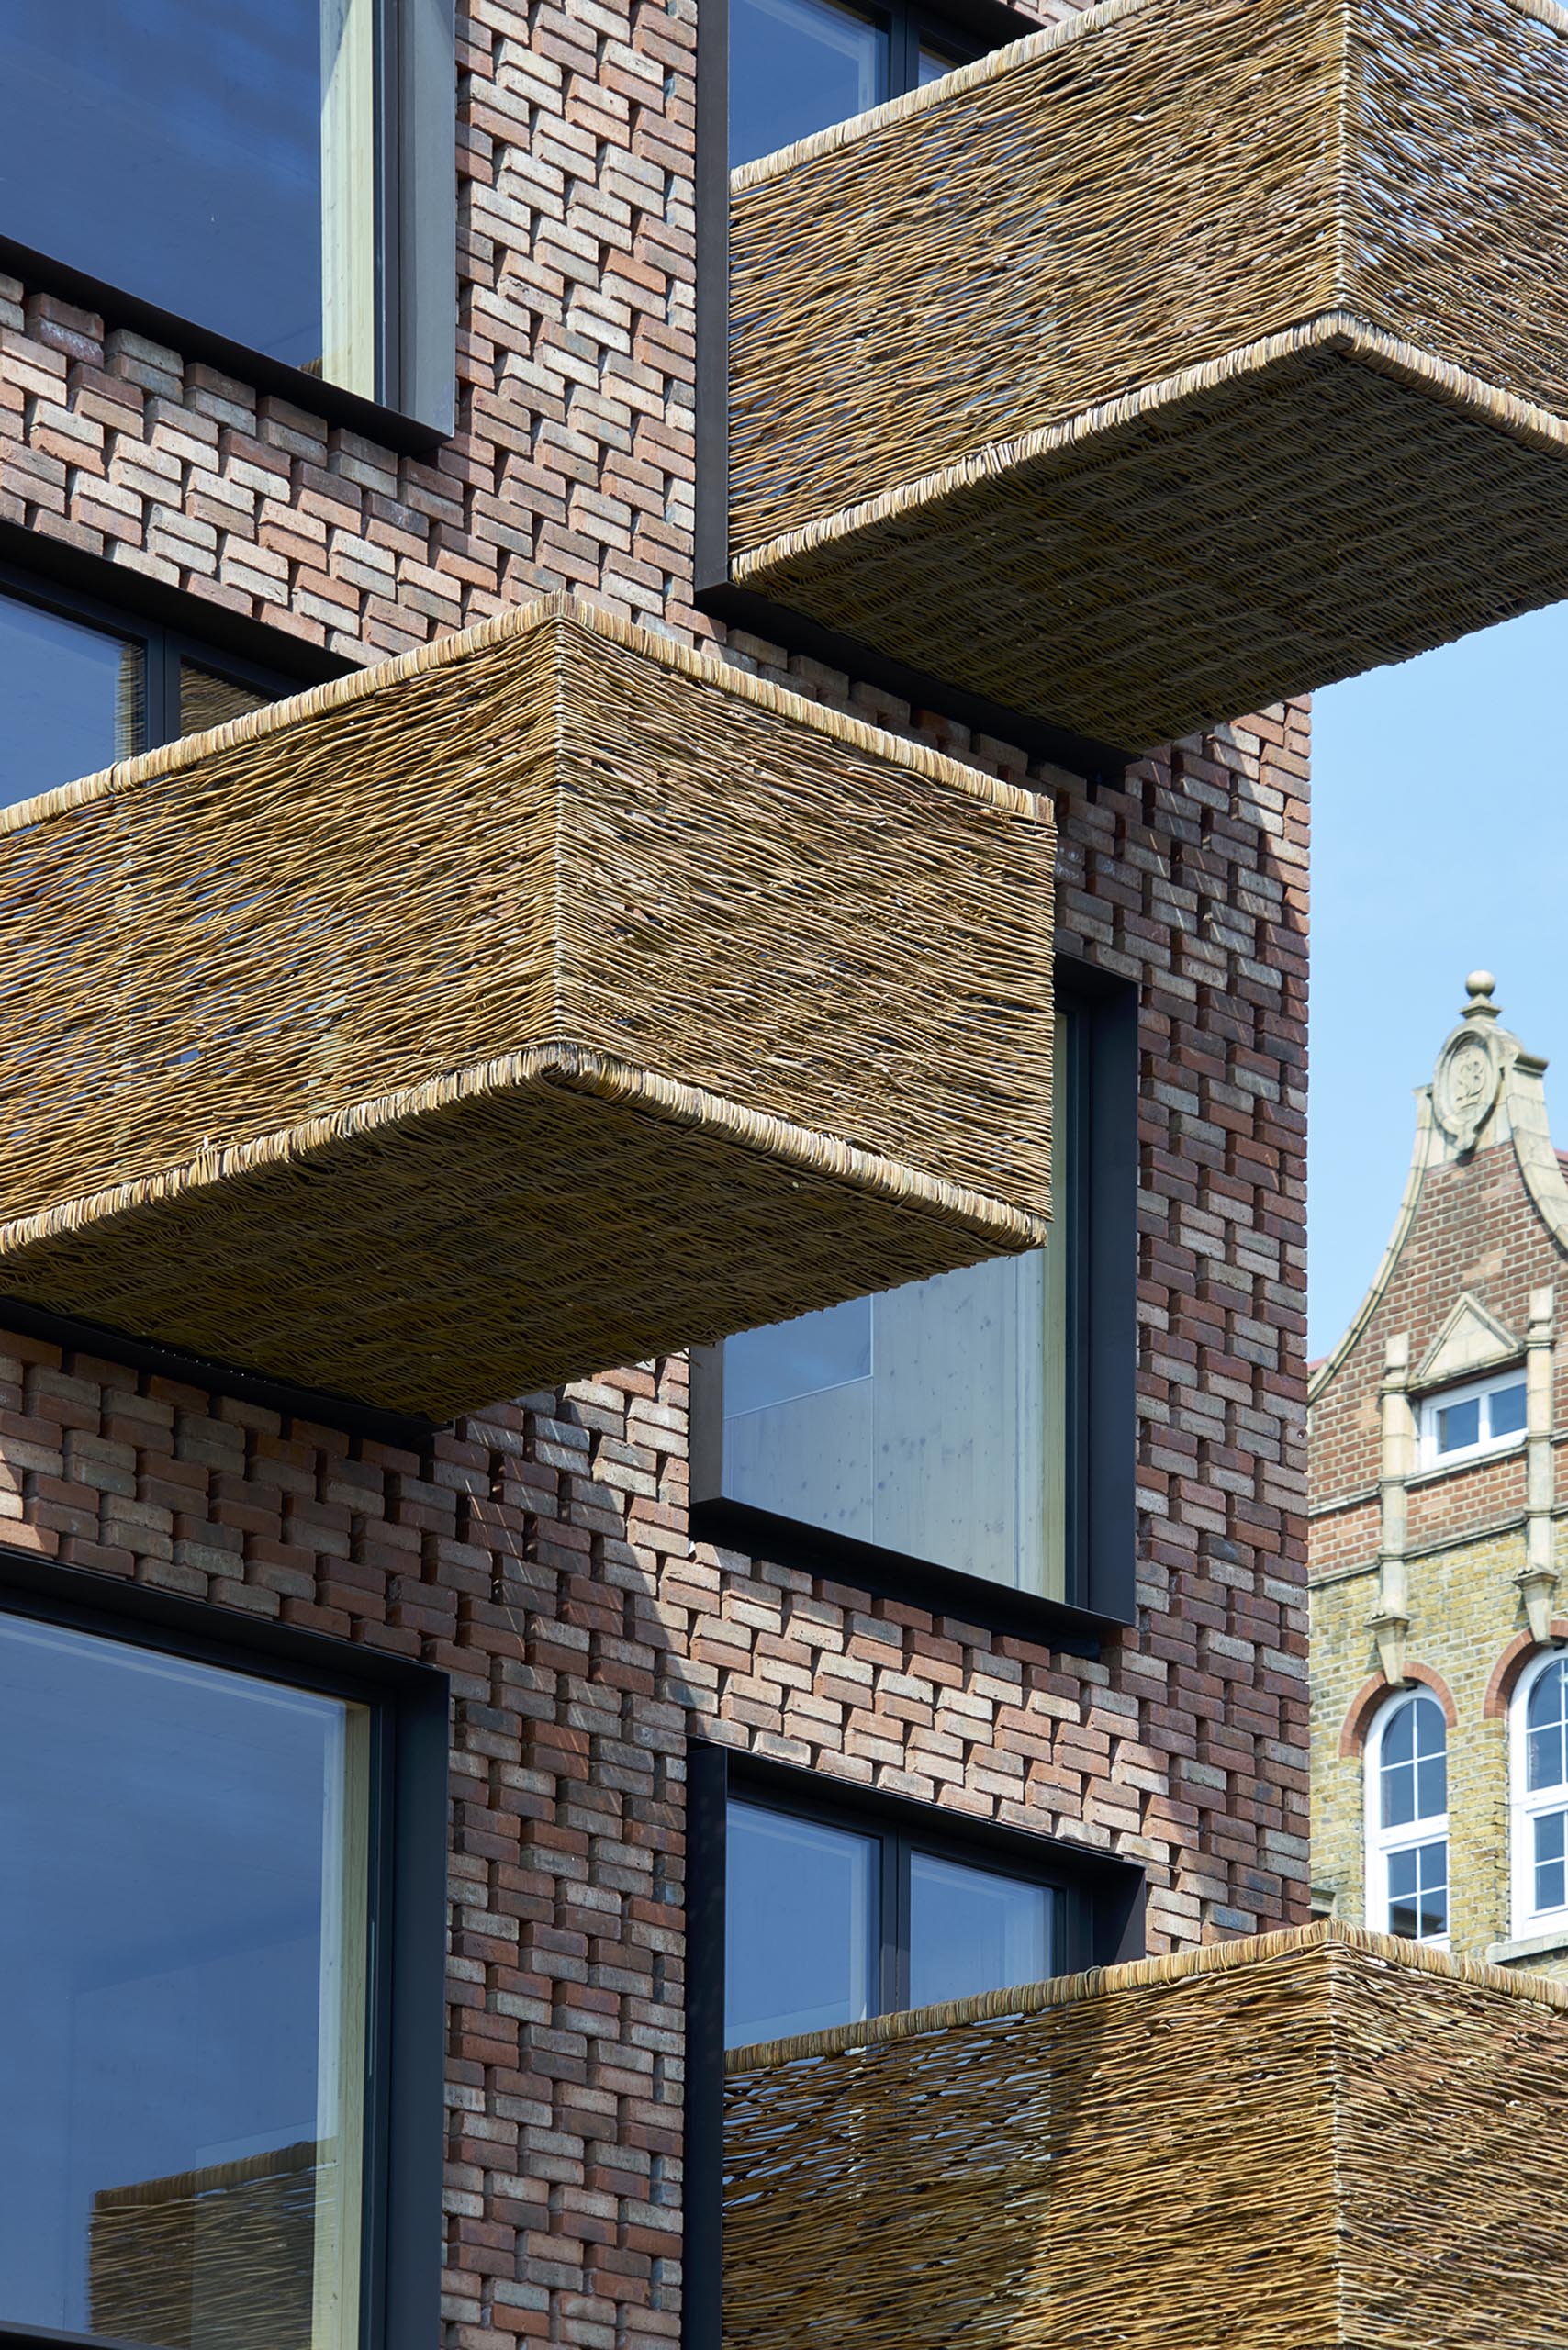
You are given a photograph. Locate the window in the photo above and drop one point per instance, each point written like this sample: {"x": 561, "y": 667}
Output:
{"x": 1463, "y": 1422}
{"x": 799, "y": 66}
{"x": 1408, "y": 1828}
{"x": 830, "y": 1919}
{"x": 227, "y": 165}
{"x": 203, "y": 1919}
{"x": 83, "y": 686}
{"x": 977, "y": 1424}
{"x": 1538, "y": 1798}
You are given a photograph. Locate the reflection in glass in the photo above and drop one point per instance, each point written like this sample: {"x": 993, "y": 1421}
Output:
{"x": 974, "y": 1929}
{"x": 73, "y": 697}
{"x": 802, "y": 1927}
{"x": 935, "y": 62}
{"x": 1458, "y": 1425}
{"x": 797, "y": 66}
{"x": 1415, "y": 1764}
{"x": 1546, "y": 1728}
{"x": 182, "y": 1942}
{"x": 930, "y": 1420}
{"x": 1507, "y": 1412}
{"x": 1419, "y": 1892}
{"x": 208, "y": 698}
{"x": 222, "y": 160}
{"x": 1551, "y": 1861}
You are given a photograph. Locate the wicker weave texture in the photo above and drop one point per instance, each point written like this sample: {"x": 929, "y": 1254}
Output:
{"x": 1318, "y": 2138}
{"x": 215, "y": 2259}
{"x": 539, "y": 1002}
{"x": 1187, "y": 355}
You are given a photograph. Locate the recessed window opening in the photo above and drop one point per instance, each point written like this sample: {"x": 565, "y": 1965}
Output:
{"x": 83, "y": 686}
{"x": 1408, "y": 1827}
{"x": 185, "y": 1941}
{"x": 1460, "y": 1423}
{"x": 799, "y": 66}
{"x": 831, "y": 1918}
{"x": 1538, "y": 1798}
{"x": 222, "y": 163}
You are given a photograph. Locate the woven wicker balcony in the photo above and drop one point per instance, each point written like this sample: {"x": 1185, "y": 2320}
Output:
{"x": 1178, "y": 358}
{"x": 1320, "y": 2138}
{"x": 539, "y": 1002}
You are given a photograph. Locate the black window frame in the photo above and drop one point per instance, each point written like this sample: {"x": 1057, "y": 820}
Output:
{"x": 405, "y": 1995}
{"x": 163, "y": 648}
{"x": 1102, "y": 1187}
{"x": 1104, "y": 1922}
{"x": 415, "y": 200}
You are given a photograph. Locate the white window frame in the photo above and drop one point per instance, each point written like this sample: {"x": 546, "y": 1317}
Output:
{"x": 1381, "y": 1843}
{"x": 1526, "y": 1808}
{"x": 1447, "y": 1397}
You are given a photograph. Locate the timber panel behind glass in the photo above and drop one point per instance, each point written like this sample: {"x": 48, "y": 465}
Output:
{"x": 183, "y": 2044}
{"x": 929, "y": 1420}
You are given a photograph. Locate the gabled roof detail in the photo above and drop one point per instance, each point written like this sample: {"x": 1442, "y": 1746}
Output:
{"x": 1485, "y": 1089}
{"x": 1471, "y": 1340}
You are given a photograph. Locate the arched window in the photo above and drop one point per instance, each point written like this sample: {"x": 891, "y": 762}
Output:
{"x": 1538, "y": 1766}
{"x": 1407, "y": 1820}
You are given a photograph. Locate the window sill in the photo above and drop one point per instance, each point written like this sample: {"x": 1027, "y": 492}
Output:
{"x": 1542, "y": 1945}
{"x": 1481, "y": 1457}
{"x": 388, "y": 427}
{"x": 1069, "y": 1629}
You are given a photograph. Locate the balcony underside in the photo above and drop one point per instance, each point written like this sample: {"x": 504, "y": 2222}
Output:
{"x": 1140, "y": 576}
{"x": 1184, "y": 356}
{"x": 545, "y": 1003}
{"x": 1317, "y": 2139}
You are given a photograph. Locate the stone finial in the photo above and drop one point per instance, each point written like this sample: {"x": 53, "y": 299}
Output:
{"x": 1468, "y": 1079}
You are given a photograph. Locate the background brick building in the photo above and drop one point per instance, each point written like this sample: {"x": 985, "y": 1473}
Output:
{"x": 541, "y": 1554}
{"x": 1436, "y": 1539}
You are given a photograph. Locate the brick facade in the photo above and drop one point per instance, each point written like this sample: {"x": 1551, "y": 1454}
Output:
{"x": 1483, "y": 1225}
{"x": 540, "y": 1554}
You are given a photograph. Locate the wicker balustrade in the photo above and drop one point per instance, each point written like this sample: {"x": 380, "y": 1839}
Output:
{"x": 1186, "y": 355}
{"x": 1318, "y": 2138}
{"x": 538, "y": 1002}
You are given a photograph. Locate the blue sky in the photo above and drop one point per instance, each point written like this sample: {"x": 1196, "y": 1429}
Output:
{"x": 1440, "y": 845}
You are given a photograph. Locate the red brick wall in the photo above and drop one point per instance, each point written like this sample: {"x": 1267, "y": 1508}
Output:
{"x": 1475, "y": 1228}
{"x": 540, "y": 1554}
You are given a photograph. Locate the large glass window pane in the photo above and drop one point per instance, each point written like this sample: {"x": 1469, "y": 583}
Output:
{"x": 1415, "y": 1764}
{"x": 1505, "y": 1410}
{"x": 974, "y": 1929}
{"x": 796, "y": 66}
{"x": 73, "y": 699}
{"x": 1458, "y": 1425}
{"x": 930, "y": 1420}
{"x": 219, "y": 159}
{"x": 801, "y": 1925}
{"x": 183, "y": 1942}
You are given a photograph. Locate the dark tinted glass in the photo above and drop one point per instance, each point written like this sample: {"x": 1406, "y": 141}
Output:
{"x": 974, "y": 1929}
{"x": 71, "y": 696}
{"x": 802, "y": 1927}
{"x": 1506, "y": 1407}
{"x": 208, "y": 698}
{"x": 182, "y": 1940}
{"x": 174, "y": 148}
{"x": 795, "y": 67}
